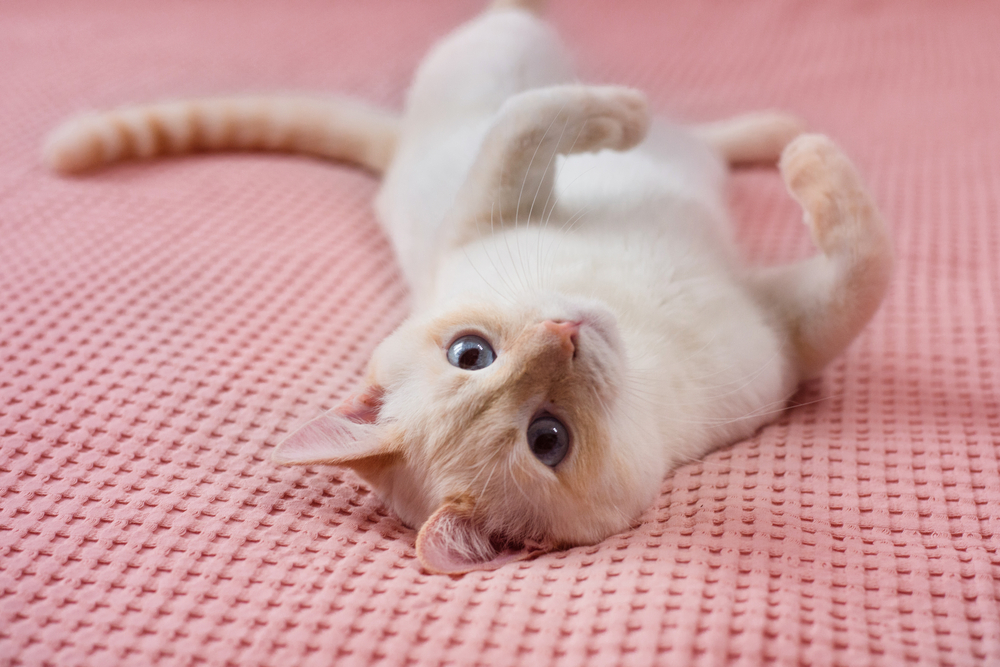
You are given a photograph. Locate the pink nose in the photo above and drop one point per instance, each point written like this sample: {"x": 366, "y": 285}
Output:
{"x": 566, "y": 331}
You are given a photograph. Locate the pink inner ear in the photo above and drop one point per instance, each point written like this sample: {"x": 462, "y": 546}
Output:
{"x": 343, "y": 434}
{"x": 451, "y": 542}
{"x": 363, "y": 405}
{"x": 330, "y": 438}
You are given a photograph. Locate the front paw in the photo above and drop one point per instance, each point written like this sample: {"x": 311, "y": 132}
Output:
{"x": 613, "y": 117}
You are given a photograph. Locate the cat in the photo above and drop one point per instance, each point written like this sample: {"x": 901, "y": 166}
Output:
{"x": 582, "y": 320}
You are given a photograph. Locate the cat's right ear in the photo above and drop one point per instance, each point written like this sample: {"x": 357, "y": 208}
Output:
{"x": 341, "y": 436}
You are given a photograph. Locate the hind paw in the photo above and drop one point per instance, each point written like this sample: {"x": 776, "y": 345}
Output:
{"x": 828, "y": 187}
{"x": 757, "y": 137}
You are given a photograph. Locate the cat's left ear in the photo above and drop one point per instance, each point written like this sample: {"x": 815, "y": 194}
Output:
{"x": 341, "y": 436}
{"x": 452, "y": 541}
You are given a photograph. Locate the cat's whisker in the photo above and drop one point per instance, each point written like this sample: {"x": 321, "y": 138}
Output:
{"x": 773, "y": 408}
{"x": 742, "y": 382}
{"x": 512, "y": 460}
{"x": 506, "y": 237}
{"x": 548, "y": 197}
{"x": 541, "y": 180}
{"x": 493, "y": 235}
{"x": 496, "y": 270}
{"x": 552, "y": 211}
{"x": 486, "y": 282}
{"x": 568, "y": 225}
{"x": 485, "y": 487}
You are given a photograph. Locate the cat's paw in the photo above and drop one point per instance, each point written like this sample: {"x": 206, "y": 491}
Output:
{"x": 611, "y": 117}
{"x": 824, "y": 181}
{"x": 576, "y": 119}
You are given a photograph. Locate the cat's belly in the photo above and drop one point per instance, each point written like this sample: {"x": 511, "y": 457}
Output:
{"x": 670, "y": 178}
{"x": 670, "y": 185}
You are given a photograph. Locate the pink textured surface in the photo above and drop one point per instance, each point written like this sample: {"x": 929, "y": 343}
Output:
{"x": 161, "y": 325}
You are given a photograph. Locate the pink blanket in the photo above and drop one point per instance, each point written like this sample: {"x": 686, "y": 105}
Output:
{"x": 163, "y": 324}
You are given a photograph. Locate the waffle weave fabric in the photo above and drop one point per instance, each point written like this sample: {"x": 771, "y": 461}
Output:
{"x": 163, "y": 324}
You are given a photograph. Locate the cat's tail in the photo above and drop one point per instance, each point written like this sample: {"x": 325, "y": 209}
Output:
{"x": 335, "y": 128}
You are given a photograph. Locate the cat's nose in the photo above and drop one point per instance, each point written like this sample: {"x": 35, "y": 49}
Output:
{"x": 567, "y": 333}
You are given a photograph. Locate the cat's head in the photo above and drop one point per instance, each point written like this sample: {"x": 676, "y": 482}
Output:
{"x": 497, "y": 430}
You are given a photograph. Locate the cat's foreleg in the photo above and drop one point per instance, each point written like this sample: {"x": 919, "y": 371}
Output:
{"x": 751, "y": 138}
{"x": 823, "y": 302}
{"x": 512, "y": 176}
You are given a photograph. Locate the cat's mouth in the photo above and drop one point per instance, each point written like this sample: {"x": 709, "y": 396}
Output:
{"x": 601, "y": 324}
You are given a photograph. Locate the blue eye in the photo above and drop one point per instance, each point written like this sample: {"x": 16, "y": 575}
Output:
{"x": 471, "y": 353}
{"x": 548, "y": 439}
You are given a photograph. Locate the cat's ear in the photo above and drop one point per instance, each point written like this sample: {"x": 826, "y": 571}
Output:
{"x": 452, "y": 541}
{"x": 343, "y": 435}
{"x": 363, "y": 405}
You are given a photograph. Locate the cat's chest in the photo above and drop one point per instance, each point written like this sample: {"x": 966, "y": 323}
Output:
{"x": 629, "y": 266}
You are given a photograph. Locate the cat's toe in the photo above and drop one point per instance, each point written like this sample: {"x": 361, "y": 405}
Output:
{"x": 612, "y": 117}
{"x": 630, "y": 112}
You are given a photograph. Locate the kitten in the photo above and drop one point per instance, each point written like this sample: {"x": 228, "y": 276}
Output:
{"x": 582, "y": 321}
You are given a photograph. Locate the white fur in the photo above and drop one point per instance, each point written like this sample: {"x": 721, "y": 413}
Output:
{"x": 589, "y": 246}
{"x": 647, "y": 237}
{"x": 592, "y": 250}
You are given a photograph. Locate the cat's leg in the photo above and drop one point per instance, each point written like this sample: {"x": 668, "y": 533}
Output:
{"x": 823, "y": 302}
{"x": 512, "y": 176}
{"x": 474, "y": 69}
{"x": 751, "y": 138}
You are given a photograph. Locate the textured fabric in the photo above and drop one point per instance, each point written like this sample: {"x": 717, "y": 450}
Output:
{"x": 163, "y": 324}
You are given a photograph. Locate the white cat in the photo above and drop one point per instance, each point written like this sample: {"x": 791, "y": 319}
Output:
{"x": 582, "y": 321}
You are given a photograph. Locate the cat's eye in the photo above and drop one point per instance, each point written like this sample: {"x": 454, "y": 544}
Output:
{"x": 548, "y": 439}
{"x": 471, "y": 353}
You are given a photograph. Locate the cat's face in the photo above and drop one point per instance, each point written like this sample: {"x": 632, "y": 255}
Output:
{"x": 496, "y": 430}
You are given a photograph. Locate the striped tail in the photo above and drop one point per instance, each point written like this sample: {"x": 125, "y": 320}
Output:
{"x": 334, "y": 128}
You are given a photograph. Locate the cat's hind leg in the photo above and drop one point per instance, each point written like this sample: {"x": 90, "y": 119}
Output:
{"x": 823, "y": 302}
{"x": 753, "y": 138}
{"x": 479, "y": 65}
{"x": 512, "y": 176}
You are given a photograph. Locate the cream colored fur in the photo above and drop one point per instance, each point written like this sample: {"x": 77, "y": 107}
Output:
{"x": 591, "y": 246}
{"x": 341, "y": 129}
{"x": 550, "y": 200}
